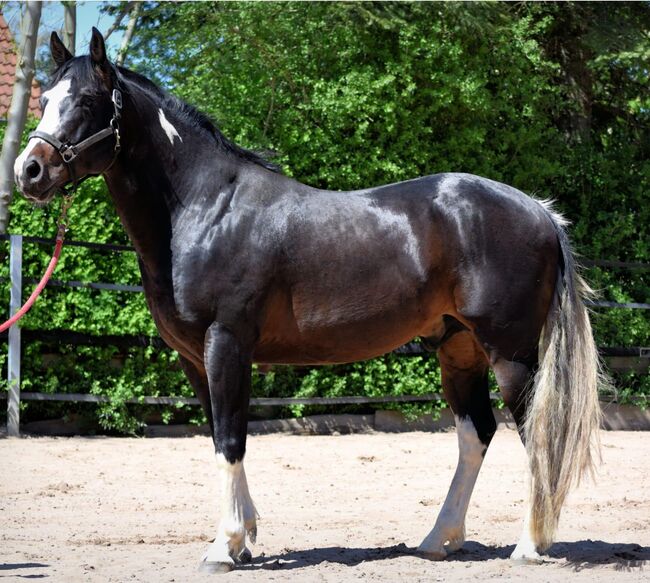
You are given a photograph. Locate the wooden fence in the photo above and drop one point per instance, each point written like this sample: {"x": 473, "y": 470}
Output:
{"x": 15, "y": 336}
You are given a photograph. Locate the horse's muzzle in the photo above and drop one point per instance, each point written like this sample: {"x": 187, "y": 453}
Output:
{"x": 38, "y": 178}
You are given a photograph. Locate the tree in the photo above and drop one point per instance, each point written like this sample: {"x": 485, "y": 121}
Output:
{"x": 69, "y": 24}
{"x": 550, "y": 97}
{"x": 128, "y": 34}
{"x": 119, "y": 12}
{"x": 29, "y": 21}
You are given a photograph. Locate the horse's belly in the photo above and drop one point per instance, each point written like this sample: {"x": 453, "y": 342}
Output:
{"x": 330, "y": 336}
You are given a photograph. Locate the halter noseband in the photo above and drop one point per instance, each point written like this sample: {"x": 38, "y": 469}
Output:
{"x": 69, "y": 152}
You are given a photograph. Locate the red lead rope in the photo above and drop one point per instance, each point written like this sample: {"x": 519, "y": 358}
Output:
{"x": 67, "y": 201}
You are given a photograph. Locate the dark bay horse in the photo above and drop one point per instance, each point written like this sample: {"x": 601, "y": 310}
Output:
{"x": 241, "y": 264}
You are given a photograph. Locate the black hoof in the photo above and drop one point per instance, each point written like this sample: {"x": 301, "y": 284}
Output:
{"x": 245, "y": 557}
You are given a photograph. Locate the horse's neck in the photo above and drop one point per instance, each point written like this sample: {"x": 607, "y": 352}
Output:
{"x": 153, "y": 180}
{"x": 142, "y": 186}
{"x": 145, "y": 217}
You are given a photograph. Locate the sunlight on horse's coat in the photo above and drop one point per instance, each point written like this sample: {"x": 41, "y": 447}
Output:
{"x": 238, "y": 516}
{"x": 167, "y": 126}
{"x": 50, "y": 122}
{"x": 450, "y": 525}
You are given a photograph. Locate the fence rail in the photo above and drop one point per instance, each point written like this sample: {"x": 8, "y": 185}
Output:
{"x": 254, "y": 402}
{"x": 15, "y": 334}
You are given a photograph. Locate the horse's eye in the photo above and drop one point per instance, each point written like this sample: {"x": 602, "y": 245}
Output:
{"x": 86, "y": 101}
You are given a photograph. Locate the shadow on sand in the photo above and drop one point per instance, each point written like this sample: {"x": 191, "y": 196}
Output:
{"x": 576, "y": 555}
{"x": 17, "y": 570}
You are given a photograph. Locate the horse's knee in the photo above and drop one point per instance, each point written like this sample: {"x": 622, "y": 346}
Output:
{"x": 231, "y": 447}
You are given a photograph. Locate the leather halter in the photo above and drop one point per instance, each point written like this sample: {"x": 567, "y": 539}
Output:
{"x": 69, "y": 152}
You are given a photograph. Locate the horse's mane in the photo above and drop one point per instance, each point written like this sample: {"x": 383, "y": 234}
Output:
{"x": 83, "y": 71}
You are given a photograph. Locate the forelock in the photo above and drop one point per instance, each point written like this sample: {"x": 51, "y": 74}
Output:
{"x": 80, "y": 70}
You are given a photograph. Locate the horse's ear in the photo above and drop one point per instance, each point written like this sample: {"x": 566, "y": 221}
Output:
{"x": 98, "y": 57}
{"x": 60, "y": 53}
{"x": 98, "y": 49}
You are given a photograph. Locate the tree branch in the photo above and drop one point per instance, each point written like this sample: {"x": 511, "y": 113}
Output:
{"x": 118, "y": 19}
{"x": 128, "y": 35}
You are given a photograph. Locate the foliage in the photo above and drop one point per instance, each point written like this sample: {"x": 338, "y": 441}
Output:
{"x": 549, "y": 97}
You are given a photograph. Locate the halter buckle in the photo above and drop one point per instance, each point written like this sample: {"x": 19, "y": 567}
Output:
{"x": 116, "y": 97}
{"x": 68, "y": 153}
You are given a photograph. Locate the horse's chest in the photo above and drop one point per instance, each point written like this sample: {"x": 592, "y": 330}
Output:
{"x": 177, "y": 331}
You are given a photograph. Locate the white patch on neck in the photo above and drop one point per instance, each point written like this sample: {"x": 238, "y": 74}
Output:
{"x": 50, "y": 122}
{"x": 169, "y": 129}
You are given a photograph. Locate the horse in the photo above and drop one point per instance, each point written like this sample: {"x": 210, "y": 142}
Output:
{"x": 241, "y": 264}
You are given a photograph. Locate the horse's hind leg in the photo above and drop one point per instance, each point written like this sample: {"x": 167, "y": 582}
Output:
{"x": 515, "y": 381}
{"x": 464, "y": 370}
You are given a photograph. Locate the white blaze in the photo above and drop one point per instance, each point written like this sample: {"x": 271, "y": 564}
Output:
{"x": 50, "y": 122}
{"x": 168, "y": 128}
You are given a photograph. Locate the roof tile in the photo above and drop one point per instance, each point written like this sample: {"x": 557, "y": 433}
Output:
{"x": 7, "y": 73}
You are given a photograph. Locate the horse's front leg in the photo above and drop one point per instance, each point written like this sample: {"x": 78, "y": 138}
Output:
{"x": 228, "y": 367}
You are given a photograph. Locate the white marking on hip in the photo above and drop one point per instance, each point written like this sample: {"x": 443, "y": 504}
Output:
{"x": 168, "y": 128}
{"x": 50, "y": 122}
{"x": 238, "y": 514}
{"x": 450, "y": 525}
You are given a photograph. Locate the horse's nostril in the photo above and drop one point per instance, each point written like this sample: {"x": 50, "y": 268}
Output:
{"x": 33, "y": 169}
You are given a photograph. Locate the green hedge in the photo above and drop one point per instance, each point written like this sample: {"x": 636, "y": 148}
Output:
{"x": 392, "y": 91}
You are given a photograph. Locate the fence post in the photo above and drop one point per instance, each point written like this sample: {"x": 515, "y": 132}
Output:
{"x": 13, "y": 369}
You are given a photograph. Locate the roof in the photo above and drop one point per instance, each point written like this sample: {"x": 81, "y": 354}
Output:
{"x": 8, "y": 71}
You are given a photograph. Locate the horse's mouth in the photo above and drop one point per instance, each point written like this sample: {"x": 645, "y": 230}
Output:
{"x": 42, "y": 198}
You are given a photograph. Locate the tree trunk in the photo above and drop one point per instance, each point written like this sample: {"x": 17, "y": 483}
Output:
{"x": 128, "y": 35}
{"x": 126, "y": 8}
{"x": 69, "y": 24}
{"x": 19, "y": 102}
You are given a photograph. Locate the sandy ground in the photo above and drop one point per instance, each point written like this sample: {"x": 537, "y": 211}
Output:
{"x": 335, "y": 508}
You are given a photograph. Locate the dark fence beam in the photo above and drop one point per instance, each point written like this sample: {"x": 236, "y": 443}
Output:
{"x": 58, "y": 337}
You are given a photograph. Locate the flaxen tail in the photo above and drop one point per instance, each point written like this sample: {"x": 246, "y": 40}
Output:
{"x": 563, "y": 419}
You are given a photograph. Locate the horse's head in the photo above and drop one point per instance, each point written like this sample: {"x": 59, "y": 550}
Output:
{"x": 78, "y": 135}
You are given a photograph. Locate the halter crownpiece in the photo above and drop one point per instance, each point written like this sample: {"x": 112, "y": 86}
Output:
{"x": 69, "y": 152}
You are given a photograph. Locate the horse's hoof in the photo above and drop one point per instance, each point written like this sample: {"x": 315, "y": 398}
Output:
{"x": 526, "y": 554}
{"x": 432, "y": 555}
{"x": 245, "y": 557}
{"x": 455, "y": 545}
{"x": 216, "y": 567}
{"x": 534, "y": 559}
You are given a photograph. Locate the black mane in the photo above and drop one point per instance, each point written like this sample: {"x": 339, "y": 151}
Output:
{"x": 84, "y": 72}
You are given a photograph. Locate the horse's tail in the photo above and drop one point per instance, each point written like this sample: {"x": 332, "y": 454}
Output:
{"x": 561, "y": 427}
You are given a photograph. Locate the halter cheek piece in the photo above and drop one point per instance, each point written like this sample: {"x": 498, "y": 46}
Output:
{"x": 69, "y": 152}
